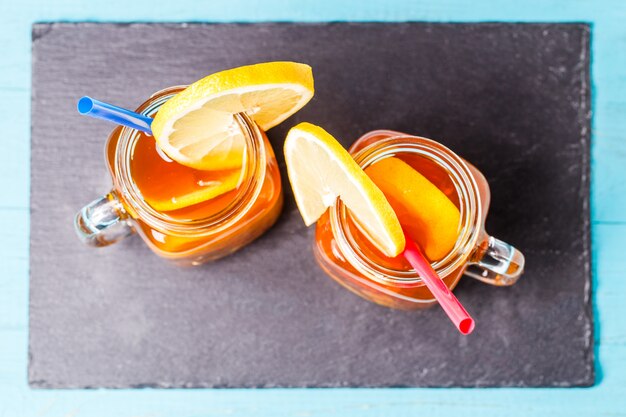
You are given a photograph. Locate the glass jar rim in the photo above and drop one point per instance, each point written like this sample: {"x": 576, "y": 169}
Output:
{"x": 255, "y": 167}
{"x": 469, "y": 201}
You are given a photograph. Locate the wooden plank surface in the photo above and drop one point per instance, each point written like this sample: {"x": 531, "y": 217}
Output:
{"x": 608, "y": 214}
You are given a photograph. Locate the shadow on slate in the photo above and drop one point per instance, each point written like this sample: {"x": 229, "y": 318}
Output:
{"x": 511, "y": 98}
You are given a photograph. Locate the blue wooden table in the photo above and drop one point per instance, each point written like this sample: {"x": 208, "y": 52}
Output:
{"x": 607, "y": 398}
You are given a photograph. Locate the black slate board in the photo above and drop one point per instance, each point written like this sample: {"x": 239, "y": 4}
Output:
{"x": 511, "y": 98}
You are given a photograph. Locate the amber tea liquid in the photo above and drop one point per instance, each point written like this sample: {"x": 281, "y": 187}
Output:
{"x": 160, "y": 179}
{"x": 393, "y": 294}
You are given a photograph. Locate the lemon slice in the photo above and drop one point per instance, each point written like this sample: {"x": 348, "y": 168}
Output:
{"x": 209, "y": 191}
{"x": 321, "y": 170}
{"x": 197, "y": 127}
{"x": 428, "y": 215}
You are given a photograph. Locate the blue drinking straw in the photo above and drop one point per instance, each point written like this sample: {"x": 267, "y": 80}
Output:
{"x": 105, "y": 111}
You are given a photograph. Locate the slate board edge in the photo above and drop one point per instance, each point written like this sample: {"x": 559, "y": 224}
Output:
{"x": 586, "y": 109}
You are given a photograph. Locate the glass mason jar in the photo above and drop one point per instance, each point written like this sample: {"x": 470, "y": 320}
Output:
{"x": 475, "y": 253}
{"x": 190, "y": 241}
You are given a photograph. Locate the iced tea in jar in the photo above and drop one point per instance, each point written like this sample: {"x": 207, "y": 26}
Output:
{"x": 199, "y": 192}
{"x": 394, "y": 206}
{"x": 347, "y": 255}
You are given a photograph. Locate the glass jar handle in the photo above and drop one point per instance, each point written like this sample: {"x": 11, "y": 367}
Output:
{"x": 497, "y": 263}
{"x": 103, "y": 222}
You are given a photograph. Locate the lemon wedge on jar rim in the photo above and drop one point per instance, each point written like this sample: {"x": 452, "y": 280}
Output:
{"x": 197, "y": 126}
{"x": 321, "y": 171}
